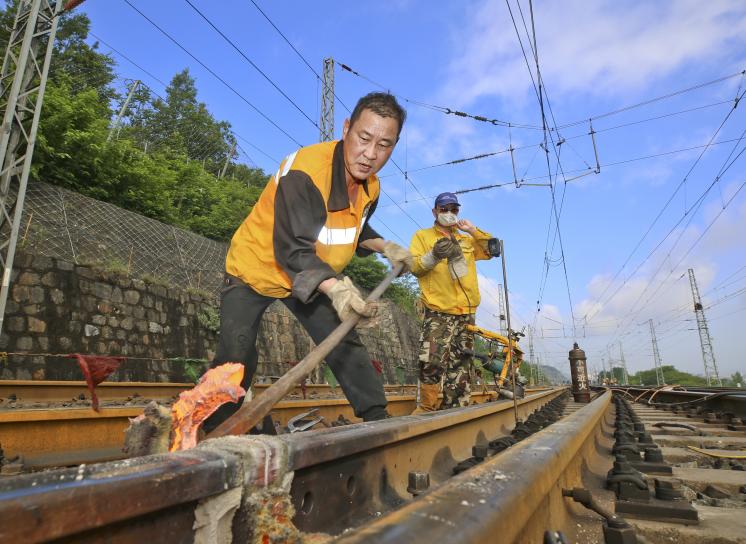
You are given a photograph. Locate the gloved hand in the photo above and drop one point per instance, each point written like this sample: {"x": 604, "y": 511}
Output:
{"x": 441, "y": 248}
{"x": 348, "y": 301}
{"x": 397, "y": 254}
{"x": 445, "y": 248}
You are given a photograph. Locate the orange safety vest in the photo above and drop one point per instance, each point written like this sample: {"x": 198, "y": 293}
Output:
{"x": 251, "y": 256}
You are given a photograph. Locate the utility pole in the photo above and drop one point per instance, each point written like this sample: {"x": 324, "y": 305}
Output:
{"x": 326, "y": 125}
{"x": 625, "y": 375}
{"x": 23, "y": 80}
{"x": 705, "y": 341}
{"x": 659, "y": 377}
{"x": 501, "y": 304}
{"x": 611, "y": 365}
{"x": 227, "y": 160}
{"x": 531, "y": 354}
{"x": 118, "y": 119}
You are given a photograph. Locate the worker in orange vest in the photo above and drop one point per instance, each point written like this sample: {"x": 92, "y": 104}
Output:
{"x": 312, "y": 217}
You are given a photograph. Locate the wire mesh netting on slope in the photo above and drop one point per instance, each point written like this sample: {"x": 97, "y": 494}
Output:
{"x": 66, "y": 225}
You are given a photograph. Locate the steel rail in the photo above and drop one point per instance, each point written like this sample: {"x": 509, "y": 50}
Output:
{"x": 52, "y": 390}
{"x": 155, "y": 497}
{"x": 729, "y": 400}
{"x": 58, "y": 437}
{"x": 501, "y": 496}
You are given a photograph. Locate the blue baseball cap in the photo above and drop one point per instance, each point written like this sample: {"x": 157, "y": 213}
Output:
{"x": 444, "y": 199}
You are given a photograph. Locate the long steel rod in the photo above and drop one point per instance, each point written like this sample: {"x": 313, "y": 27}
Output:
{"x": 510, "y": 331}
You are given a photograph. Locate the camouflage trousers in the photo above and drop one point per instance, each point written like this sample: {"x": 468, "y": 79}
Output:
{"x": 442, "y": 344}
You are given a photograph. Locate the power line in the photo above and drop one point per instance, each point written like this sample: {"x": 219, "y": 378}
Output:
{"x": 315, "y": 73}
{"x": 402, "y": 209}
{"x": 251, "y": 62}
{"x": 441, "y": 109}
{"x": 540, "y": 97}
{"x": 694, "y": 208}
{"x": 660, "y": 213}
{"x": 575, "y": 171}
{"x": 653, "y": 100}
{"x": 151, "y": 90}
{"x": 537, "y": 146}
{"x": 213, "y": 73}
{"x": 125, "y": 57}
{"x": 691, "y": 248}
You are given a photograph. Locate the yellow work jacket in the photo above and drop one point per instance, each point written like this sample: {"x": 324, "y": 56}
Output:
{"x": 439, "y": 291}
{"x": 303, "y": 229}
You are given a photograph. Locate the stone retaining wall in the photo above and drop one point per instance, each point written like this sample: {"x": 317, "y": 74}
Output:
{"x": 56, "y": 307}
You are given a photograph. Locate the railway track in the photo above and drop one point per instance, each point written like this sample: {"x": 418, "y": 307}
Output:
{"x": 452, "y": 476}
{"x": 50, "y": 426}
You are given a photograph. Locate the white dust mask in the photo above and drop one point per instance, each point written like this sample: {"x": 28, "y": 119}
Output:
{"x": 447, "y": 219}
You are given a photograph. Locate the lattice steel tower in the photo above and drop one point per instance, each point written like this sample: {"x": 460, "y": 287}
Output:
{"x": 326, "y": 125}
{"x": 534, "y": 374}
{"x": 625, "y": 375}
{"x": 23, "y": 80}
{"x": 708, "y": 354}
{"x": 659, "y": 377}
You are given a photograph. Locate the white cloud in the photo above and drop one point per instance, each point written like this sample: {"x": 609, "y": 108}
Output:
{"x": 601, "y": 47}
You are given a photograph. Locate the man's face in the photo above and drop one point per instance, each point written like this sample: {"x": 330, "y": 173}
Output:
{"x": 368, "y": 144}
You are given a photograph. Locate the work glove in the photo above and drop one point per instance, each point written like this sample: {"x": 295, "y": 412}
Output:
{"x": 348, "y": 301}
{"x": 397, "y": 254}
{"x": 445, "y": 248}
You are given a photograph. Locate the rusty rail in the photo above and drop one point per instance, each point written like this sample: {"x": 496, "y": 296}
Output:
{"x": 356, "y": 484}
{"x": 61, "y": 437}
{"x": 501, "y": 496}
{"x": 720, "y": 399}
{"x": 157, "y": 496}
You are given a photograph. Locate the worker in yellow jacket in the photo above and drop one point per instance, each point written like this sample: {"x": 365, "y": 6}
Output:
{"x": 312, "y": 217}
{"x": 444, "y": 260}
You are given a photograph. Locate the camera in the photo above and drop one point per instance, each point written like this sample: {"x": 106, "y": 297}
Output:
{"x": 493, "y": 247}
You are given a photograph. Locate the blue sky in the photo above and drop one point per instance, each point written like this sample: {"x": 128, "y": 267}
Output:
{"x": 595, "y": 58}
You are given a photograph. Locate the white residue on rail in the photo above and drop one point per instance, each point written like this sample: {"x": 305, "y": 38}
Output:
{"x": 435, "y": 518}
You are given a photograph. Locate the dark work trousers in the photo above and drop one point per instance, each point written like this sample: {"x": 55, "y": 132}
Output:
{"x": 241, "y": 310}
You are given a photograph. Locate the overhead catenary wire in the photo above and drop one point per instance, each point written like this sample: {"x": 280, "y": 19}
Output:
{"x": 537, "y": 146}
{"x": 538, "y": 88}
{"x": 653, "y": 100}
{"x": 231, "y": 131}
{"x": 526, "y": 181}
{"x": 251, "y": 62}
{"x": 686, "y": 254}
{"x": 214, "y": 74}
{"x": 441, "y": 109}
{"x": 125, "y": 57}
{"x": 297, "y": 52}
{"x": 660, "y": 213}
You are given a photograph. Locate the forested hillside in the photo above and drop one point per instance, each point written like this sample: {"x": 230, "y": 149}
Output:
{"x": 166, "y": 158}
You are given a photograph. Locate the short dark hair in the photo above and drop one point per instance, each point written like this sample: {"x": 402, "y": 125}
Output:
{"x": 383, "y": 104}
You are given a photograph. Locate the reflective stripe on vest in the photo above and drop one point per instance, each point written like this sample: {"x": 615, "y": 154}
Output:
{"x": 286, "y": 168}
{"x": 337, "y": 237}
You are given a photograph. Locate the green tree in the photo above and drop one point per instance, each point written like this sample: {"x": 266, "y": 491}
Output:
{"x": 670, "y": 374}
{"x": 184, "y": 124}
{"x": 78, "y": 64}
{"x": 737, "y": 379}
{"x": 368, "y": 272}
